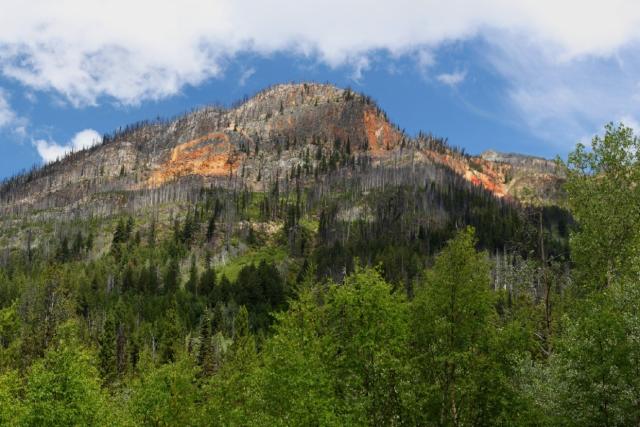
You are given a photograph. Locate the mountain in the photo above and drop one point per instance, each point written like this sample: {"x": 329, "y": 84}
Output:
{"x": 203, "y": 270}
{"x": 310, "y": 172}
{"x": 314, "y": 127}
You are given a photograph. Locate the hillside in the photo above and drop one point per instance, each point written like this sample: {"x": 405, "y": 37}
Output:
{"x": 304, "y": 166}
{"x": 310, "y": 127}
{"x": 299, "y": 260}
{"x": 301, "y": 257}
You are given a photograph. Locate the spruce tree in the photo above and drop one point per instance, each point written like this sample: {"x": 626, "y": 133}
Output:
{"x": 207, "y": 285}
{"x": 172, "y": 276}
{"x": 206, "y": 352}
{"x": 192, "y": 283}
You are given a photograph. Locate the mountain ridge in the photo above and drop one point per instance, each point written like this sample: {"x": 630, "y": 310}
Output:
{"x": 270, "y": 135}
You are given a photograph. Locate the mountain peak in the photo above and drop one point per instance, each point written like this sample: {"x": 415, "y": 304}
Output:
{"x": 294, "y": 95}
{"x": 318, "y": 128}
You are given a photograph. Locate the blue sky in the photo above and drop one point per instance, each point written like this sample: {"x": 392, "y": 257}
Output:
{"x": 534, "y": 78}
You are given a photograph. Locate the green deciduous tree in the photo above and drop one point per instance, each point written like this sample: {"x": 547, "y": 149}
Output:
{"x": 594, "y": 377}
{"x": 63, "y": 388}
{"x": 166, "y": 396}
{"x": 366, "y": 346}
{"x": 294, "y": 383}
{"x": 604, "y": 198}
{"x": 462, "y": 379}
{"x": 12, "y": 405}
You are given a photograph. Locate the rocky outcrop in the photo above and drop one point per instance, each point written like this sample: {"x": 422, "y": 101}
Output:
{"x": 528, "y": 178}
{"x": 280, "y": 130}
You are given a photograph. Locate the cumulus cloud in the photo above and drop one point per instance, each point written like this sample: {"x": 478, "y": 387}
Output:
{"x": 84, "y": 50}
{"x": 50, "y": 151}
{"x": 452, "y": 79}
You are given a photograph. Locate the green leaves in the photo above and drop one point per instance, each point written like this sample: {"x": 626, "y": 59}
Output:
{"x": 592, "y": 378}
{"x": 12, "y": 405}
{"x": 166, "y": 396}
{"x": 604, "y": 198}
{"x": 594, "y": 373}
{"x": 366, "y": 340}
{"x": 63, "y": 388}
{"x": 295, "y": 385}
{"x": 459, "y": 354}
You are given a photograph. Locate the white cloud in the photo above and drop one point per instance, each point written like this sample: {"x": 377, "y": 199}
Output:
{"x": 246, "y": 75}
{"x": 560, "y": 100}
{"x": 452, "y": 79}
{"x": 424, "y": 60}
{"x": 20, "y": 131}
{"x": 85, "y": 49}
{"x": 85, "y": 139}
{"x": 631, "y": 122}
{"x": 7, "y": 115}
{"x": 50, "y": 151}
{"x": 82, "y": 50}
{"x": 359, "y": 64}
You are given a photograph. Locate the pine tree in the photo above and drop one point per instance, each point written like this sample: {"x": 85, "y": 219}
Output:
{"x": 189, "y": 228}
{"x": 78, "y": 244}
{"x": 151, "y": 238}
{"x": 64, "y": 253}
{"x": 171, "y": 336}
{"x": 211, "y": 227}
{"x": 192, "y": 283}
{"x": 206, "y": 352}
{"x": 207, "y": 285}
{"x": 128, "y": 278}
{"x": 88, "y": 243}
{"x": 119, "y": 235}
{"x": 172, "y": 276}
{"x": 226, "y": 291}
{"x": 128, "y": 229}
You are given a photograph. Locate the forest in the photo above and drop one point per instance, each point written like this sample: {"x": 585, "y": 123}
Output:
{"x": 432, "y": 304}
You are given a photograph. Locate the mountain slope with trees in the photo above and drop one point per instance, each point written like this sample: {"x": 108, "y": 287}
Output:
{"x": 369, "y": 286}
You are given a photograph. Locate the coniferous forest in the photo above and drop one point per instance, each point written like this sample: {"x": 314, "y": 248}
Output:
{"x": 429, "y": 303}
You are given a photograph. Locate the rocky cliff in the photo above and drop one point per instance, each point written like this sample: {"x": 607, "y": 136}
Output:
{"x": 279, "y": 132}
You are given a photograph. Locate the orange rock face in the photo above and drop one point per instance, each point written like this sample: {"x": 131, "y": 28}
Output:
{"x": 488, "y": 176}
{"x": 380, "y": 134}
{"x": 209, "y": 155}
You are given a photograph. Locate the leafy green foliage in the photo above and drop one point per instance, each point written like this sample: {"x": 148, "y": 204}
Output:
{"x": 604, "y": 198}
{"x": 463, "y": 376}
{"x": 63, "y": 388}
{"x": 165, "y": 396}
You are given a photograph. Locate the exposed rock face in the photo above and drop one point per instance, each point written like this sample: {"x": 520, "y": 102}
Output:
{"x": 528, "y": 176}
{"x": 520, "y": 160}
{"x": 280, "y": 129}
